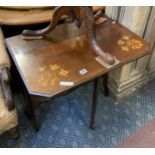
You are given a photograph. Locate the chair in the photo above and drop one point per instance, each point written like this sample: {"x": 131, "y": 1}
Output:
{"x": 8, "y": 113}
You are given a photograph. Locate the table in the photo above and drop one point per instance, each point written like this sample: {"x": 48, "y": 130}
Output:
{"x": 64, "y": 60}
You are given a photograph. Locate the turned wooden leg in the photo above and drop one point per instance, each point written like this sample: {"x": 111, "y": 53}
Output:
{"x": 91, "y": 31}
{"x": 95, "y": 101}
{"x": 14, "y": 133}
{"x": 58, "y": 12}
{"x": 29, "y": 111}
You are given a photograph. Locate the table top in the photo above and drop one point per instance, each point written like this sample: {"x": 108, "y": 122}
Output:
{"x": 46, "y": 65}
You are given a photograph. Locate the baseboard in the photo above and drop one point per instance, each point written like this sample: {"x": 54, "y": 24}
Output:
{"x": 152, "y": 74}
{"x": 119, "y": 90}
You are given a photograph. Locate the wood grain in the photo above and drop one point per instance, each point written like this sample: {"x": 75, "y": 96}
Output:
{"x": 16, "y": 17}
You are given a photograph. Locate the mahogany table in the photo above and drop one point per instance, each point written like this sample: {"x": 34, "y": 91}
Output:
{"x": 64, "y": 60}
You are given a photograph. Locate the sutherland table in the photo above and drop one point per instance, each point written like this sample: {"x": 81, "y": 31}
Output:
{"x": 45, "y": 65}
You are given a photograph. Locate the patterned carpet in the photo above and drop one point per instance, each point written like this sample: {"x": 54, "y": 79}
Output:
{"x": 65, "y": 120}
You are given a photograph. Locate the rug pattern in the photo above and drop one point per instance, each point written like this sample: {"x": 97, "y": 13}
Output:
{"x": 65, "y": 120}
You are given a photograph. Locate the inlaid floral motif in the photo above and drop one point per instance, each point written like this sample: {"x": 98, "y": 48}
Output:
{"x": 64, "y": 72}
{"x": 54, "y": 67}
{"x": 126, "y": 43}
{"x": 51, "y": 74}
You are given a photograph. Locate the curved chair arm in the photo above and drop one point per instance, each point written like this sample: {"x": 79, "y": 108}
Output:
{"x": 5, "y": 86}
{"x": 4, "y": 74}
{"x": 4, "y": 58}
{"x": 8, "y": 113}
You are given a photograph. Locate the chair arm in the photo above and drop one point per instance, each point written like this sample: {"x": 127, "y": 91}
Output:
{"x": 4, "y": 58}
{"x": 5, "y": 86}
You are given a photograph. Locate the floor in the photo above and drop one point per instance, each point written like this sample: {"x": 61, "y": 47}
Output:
{"x": 65, "y": 120}
{"x": 143, "y": 138}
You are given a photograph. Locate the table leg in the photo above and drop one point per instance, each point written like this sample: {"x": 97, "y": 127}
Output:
{"x": 95, "y": 101}
{"x": 29, "y": 110}
{"x": 105, "y": 85}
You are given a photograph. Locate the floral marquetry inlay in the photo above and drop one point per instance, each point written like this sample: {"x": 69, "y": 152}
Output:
{"x": 51, "y": 75}
{"x": 126, "y": 43}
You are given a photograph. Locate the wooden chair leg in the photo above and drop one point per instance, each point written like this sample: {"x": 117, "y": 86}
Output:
{"x": 95, "y": 101}
{"x": 14, "y": 133}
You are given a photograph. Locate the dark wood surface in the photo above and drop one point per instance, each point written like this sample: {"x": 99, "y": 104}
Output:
{"x": 65, "y": 51}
